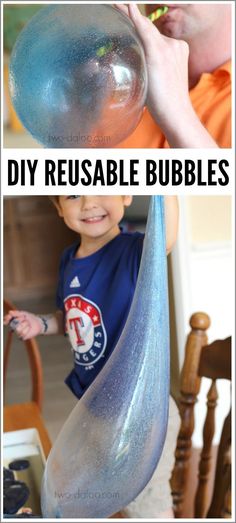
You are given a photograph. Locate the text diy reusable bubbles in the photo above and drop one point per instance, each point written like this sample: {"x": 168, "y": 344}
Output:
{"x": 110, "y": 172}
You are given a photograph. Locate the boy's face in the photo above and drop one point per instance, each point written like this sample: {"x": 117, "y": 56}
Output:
{"x": 93, "y": 216}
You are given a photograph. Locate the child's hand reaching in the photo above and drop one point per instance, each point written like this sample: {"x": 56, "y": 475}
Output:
{"x": 25, "y": 324}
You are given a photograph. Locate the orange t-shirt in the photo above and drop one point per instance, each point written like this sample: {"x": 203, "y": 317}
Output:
{"x": 211, "y": 99}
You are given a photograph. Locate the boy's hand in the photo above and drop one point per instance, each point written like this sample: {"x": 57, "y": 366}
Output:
{"x": 25, "y": 324}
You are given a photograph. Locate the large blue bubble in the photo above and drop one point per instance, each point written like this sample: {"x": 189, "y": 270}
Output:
{"x": 112, "y": 441}
{"x": 78, "y": 76}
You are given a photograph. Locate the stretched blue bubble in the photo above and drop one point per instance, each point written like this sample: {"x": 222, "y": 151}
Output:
{"x": 112, "y": 441}
{"x": 78, "y": 76}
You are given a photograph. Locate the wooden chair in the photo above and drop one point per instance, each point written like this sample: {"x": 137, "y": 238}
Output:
{"x": 26, "y": 415}
{"x": 211, "y": 361}
{"x": 34, "y": 361}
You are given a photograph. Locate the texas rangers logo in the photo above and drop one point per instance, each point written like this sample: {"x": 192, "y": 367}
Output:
{"x": 86, "y": 330}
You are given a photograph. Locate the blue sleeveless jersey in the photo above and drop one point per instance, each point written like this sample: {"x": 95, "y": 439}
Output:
{"x": 95, "y": 293}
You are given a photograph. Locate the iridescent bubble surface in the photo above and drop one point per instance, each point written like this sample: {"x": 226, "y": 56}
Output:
{"x": 111, "y": 443}
{"x": 78, "y": 76}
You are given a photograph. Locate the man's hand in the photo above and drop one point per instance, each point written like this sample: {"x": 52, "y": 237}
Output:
{"x": 168, "y": 97}
{"x": 167, "y": 67}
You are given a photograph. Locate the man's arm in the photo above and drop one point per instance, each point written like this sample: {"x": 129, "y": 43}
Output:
{"x": 27, "y": 325}
{"x": 171, "y": 220}
{"x": 168, "y": 97}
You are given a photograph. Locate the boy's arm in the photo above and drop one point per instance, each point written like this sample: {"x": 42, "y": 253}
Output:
{"x": 29, "y": 325}
{"x": 171, "y": 221}
{"x": 168, "y": 98}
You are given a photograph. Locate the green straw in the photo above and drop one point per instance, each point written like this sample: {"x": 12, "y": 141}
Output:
{"x": 102, "y": 51}
{"x": 159, "y": 12}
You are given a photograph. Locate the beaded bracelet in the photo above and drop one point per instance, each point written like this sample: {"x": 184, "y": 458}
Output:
{"x": 45, "y": 324}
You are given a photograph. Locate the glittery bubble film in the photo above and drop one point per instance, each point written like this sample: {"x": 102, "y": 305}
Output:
{"x": 78, "y": 76}
{"x": 111, "y": 443}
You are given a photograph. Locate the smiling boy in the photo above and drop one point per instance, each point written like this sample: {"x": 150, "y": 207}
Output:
{"x": 97, "y": 279}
